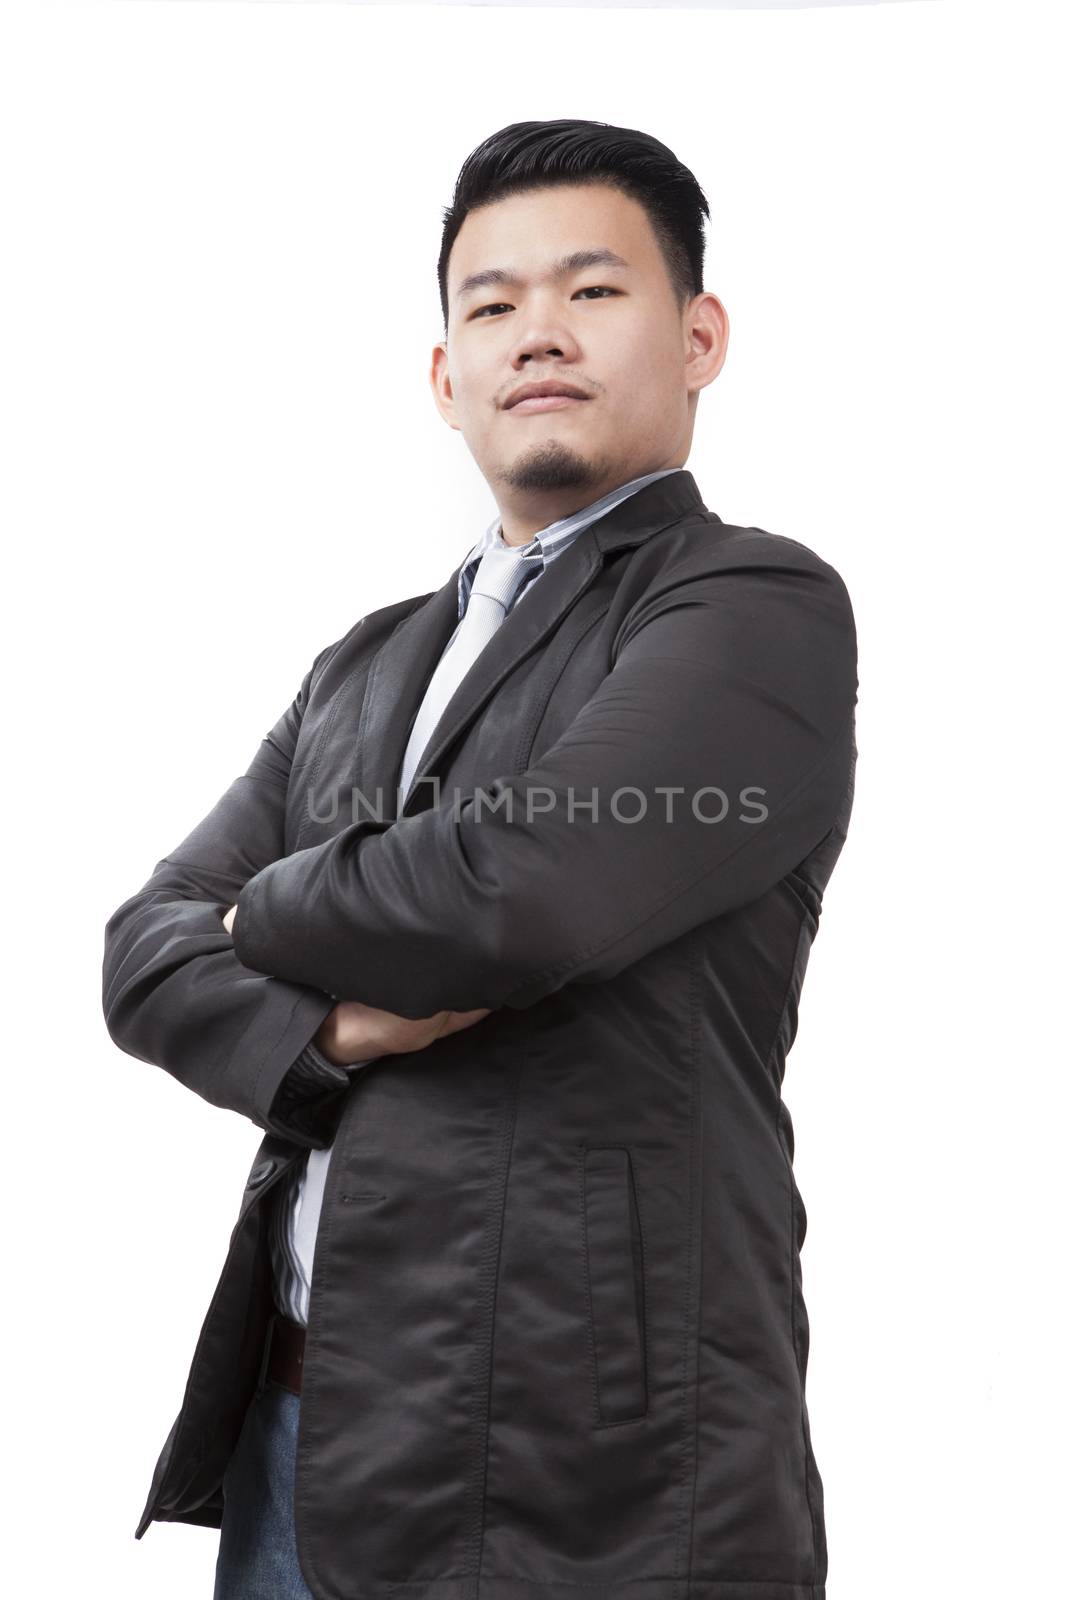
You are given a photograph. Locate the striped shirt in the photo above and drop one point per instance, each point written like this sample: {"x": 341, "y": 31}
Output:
{"x": 294, "y": 1216}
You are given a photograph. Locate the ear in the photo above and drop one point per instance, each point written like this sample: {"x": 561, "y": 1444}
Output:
{"x": 441, "y": 383}
{"x": 707, "y": 336}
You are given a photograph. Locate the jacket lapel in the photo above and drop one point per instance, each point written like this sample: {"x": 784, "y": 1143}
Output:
{"x": 404, "y": 665}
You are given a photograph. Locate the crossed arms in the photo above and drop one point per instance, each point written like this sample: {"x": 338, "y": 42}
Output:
{"x": 733, "y": 684}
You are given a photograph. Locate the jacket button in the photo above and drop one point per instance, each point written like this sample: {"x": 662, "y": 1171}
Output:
{"x": 261, "y": 1172}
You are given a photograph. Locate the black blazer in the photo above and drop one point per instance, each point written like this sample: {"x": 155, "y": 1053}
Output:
{"x": 557, "y": 1341}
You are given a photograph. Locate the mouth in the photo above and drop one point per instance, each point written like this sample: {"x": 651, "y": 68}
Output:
{"x": 546, "y": 402}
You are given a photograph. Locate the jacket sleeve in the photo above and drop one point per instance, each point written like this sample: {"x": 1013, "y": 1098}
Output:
{"x": 175, "y": 993}
{"x": 734, "y": 687}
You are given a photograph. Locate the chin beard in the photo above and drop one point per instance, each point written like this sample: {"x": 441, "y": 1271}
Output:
{"x": 551, "y": 465}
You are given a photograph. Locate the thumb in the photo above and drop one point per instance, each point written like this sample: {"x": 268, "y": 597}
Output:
{"x": 457, "y": 1020}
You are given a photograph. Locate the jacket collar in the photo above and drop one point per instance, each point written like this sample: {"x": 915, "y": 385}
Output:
{"x": 401, "y": 671}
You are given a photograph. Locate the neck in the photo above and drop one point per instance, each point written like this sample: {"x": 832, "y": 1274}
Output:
{"x": 523, "y": 520}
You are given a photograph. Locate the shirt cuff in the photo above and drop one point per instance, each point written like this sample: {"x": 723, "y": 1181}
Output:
{"x": 312, "y": 1072}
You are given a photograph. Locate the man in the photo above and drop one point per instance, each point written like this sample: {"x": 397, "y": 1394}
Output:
{"x": 501, "y": 940}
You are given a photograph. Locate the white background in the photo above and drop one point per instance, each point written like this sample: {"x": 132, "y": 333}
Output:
{"x": 218, "y": 301}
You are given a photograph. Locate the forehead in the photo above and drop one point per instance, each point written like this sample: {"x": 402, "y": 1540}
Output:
{"x": 531, "y": 235}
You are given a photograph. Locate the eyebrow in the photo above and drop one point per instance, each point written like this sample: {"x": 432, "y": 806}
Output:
{"x": 577, "y": 261}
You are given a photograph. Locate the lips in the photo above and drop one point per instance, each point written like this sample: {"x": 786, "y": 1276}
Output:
{"x": 543, "y": 396}
{"x": 545, "y": 402}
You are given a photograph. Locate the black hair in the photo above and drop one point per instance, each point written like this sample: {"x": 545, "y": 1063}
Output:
{"x": 542, "y": 155}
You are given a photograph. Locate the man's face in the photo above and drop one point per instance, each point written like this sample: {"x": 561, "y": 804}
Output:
{"x": 613, "y": 330}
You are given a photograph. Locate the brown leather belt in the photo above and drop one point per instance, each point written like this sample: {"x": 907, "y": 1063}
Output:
{"x": 285, "y": 1355}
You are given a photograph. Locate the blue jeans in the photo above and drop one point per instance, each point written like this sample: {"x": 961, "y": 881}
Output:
{"x": 257, "y": 1546}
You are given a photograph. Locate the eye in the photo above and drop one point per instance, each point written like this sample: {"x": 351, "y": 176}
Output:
{"x": 593, "y": 288}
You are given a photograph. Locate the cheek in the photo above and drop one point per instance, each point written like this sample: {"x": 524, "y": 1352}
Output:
{"x": 641, "y": 393}
{"x": 485, "y": 382}
{"x": 631, "y": 362}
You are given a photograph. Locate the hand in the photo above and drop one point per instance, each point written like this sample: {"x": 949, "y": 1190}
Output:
{"x": 353, "y": 1031}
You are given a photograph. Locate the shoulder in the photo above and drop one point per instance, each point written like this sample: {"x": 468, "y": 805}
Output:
{"x": 360, "y": 643}
{"x": 716, "y": 557}
{"x": 759, "y": 595}
{"x": 705, "y": 544}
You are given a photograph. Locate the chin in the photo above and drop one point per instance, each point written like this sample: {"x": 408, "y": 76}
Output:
{"x": 547, "y": 465}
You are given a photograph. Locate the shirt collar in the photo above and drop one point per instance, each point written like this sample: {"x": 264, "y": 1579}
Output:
{"x": 551, "y": 540}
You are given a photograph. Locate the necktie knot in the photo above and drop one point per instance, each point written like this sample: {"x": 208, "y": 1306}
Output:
{"x": 501, "y": 574}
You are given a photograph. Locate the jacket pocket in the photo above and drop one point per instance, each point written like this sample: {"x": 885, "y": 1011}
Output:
{"x": 615, "y": 1283}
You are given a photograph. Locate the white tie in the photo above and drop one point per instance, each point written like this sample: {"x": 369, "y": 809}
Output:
{"x": 501, "y": 574}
